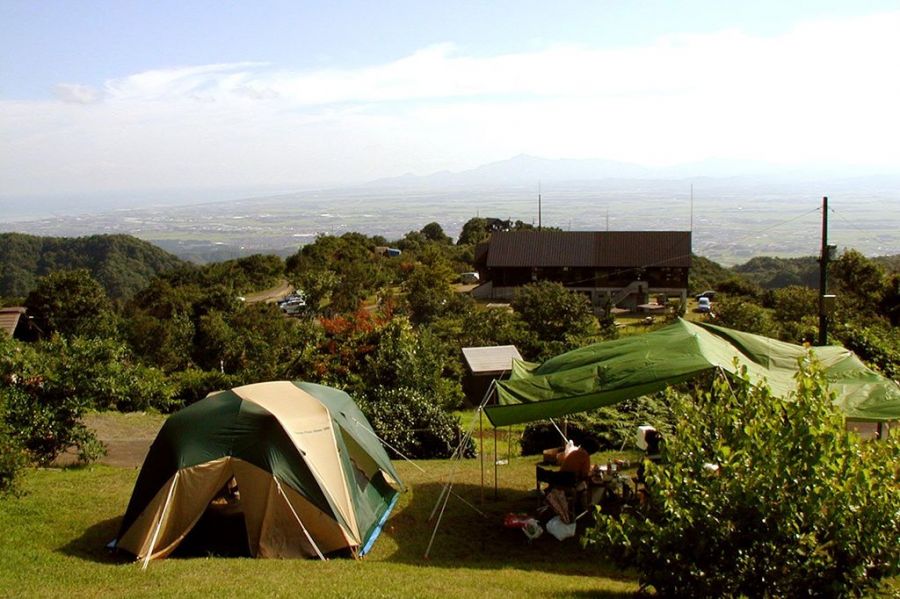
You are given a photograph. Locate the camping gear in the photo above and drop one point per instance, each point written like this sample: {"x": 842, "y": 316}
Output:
{"x": 296, "y": 463}
{"x": 605, "y": 373}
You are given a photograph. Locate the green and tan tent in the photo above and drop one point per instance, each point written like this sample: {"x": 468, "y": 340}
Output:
{"x": 298, "y": 463}
{"x": 606, "y": 373}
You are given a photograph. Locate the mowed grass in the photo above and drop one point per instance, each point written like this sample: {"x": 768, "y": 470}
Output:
{"x": 53, "y": 537}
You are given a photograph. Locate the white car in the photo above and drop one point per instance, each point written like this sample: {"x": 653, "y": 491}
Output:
{"x": 703, "y": 305}
{"x": 294, "y": 306}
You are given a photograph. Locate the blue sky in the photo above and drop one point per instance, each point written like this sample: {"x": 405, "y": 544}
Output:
{"x": 105, "y": 96}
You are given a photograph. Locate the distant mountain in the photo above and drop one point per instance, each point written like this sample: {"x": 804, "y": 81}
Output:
{"x": 524, "y": 170}
{"x": 528, "y": 170}
{"x": 121, "y": 263}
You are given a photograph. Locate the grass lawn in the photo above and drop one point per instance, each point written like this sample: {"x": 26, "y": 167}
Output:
{"x": 54, "y": 535}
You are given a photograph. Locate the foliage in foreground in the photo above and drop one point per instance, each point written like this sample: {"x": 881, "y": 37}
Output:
{"x": 798, "y": 505}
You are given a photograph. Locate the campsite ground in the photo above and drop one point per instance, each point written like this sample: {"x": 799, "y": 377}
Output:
{"x": 54, "y": 537}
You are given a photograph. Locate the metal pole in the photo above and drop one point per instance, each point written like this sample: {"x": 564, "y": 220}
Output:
{"x": 481, "y": 449}
{"x": 823, "y": 276}
{"x": 495, "y": 463}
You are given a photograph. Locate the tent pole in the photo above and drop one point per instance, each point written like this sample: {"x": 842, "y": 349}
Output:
{"x": 162, "y": 519}
{"x": 299, "y": 521}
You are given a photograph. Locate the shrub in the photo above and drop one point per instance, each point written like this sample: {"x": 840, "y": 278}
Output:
{"x": 798, "y": 506}
{"x": 47, "y": 421}
{"x": 194, "y": 384}
{"x": 12, "y": 456}
{"x": 412, "y": 424}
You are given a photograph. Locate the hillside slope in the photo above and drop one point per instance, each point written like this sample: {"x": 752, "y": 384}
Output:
{"x": 121, "y": 263}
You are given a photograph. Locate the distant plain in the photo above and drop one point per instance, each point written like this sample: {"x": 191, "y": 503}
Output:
{"x": 732, "y": 220}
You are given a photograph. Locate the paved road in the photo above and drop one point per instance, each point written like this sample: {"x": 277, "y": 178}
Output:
{"x": 270, "y": 295}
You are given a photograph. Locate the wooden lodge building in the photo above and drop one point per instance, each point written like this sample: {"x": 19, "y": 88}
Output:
{"x": 618, "y": 268}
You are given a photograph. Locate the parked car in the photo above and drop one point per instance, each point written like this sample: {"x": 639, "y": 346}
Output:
{"x": 294, "y": 306}
{"x": 293, "y": 297}
{"x": 468, "y": 278}
{"x": 703, "y": 305}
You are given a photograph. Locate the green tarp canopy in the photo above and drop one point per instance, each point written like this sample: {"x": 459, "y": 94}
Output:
{"x": 606, "y": 373}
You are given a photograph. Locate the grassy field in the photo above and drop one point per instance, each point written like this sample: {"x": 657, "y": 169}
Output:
{"x": 54, "y": 535}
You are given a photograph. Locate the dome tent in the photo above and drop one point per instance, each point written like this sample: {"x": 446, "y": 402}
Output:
{"x": 298, "y": 462}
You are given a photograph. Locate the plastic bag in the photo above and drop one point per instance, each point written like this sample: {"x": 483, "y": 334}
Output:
{"x": 532, "y": 529}
{"x": 560, "y": 529}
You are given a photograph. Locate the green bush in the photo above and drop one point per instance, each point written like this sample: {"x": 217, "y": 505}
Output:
{"x": 797, "y": 506}
{"x": 194, "y": 384}
{"x": 102, "y": 374}
{"x": 412, "y": 424}
{"x": 13, "y": 457}
{"x": 47, "y": 421}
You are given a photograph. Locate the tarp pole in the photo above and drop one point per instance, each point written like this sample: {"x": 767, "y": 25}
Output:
{"x": 561, "y": 434}
{"x": 496, "y": 466}
{"x": 481, "y": 450}
{"x": 445, "y": 493}
{"x": 162, "y": 519}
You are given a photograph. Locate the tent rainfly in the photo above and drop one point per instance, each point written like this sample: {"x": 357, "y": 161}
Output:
{"x": 606, "y": 373}
{"x": 297, "y": 461}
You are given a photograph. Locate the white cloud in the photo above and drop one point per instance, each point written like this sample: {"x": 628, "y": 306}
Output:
{"x": 823, "y": 93}
{"x": 76, "y": 94}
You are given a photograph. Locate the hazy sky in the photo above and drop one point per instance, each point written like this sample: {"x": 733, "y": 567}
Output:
{"x": 127, "y": 95}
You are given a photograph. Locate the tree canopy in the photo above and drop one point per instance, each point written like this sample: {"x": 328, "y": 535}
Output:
{"x": 122, "y": 264}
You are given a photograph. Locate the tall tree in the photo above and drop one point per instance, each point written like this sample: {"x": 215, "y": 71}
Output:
{"x": 71, "y": 302}
{"x": 559, "y": 317}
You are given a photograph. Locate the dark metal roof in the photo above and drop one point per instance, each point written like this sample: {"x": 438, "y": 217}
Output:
{"x": 596, "y": 249}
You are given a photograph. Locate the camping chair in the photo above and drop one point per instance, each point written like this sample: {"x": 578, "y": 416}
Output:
{"x": 566, "y": 482}
{"x": 554, "y": 478}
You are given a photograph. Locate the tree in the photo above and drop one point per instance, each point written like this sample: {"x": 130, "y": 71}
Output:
{"x": 556, "y": 315}
{"x": 415, "y": 360}
{"x": 256, "y": 343}
{"x": 795, "y": 309}
{"x": 428, "y": 292}
{"x": 861, "y": 284}
{"x": 744, "y": 315}
{"x": 71, "y": 302}
{"x": 762, "y": 497}
{"x": 434, "y": 232}
{"x": 359, "y": 272}
{"x": 474, "y": 231}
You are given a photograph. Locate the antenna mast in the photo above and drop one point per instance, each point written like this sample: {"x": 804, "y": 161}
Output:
{"x": 539, "y": 205}
{"x": 692, "y": 207}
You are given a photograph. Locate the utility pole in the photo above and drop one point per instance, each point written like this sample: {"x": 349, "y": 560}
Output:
{"x": 824, "y": 298}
